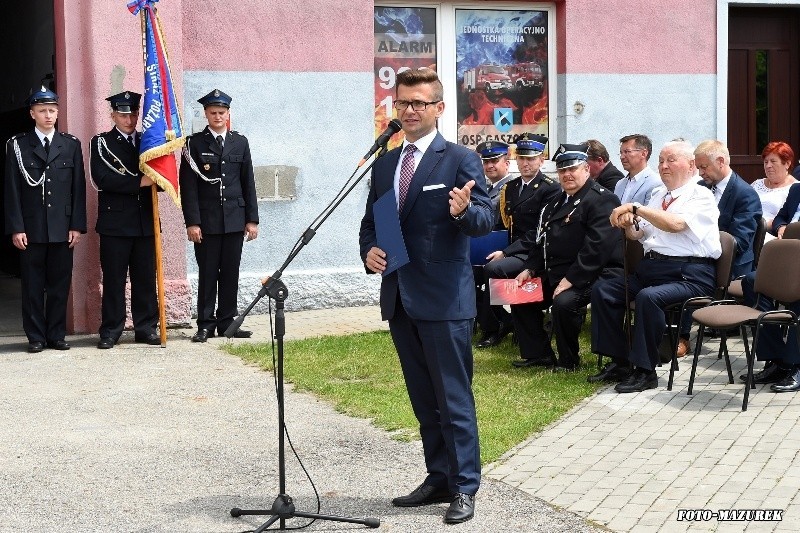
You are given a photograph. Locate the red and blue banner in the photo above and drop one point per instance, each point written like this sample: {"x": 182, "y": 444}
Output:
{"x": 161, "y": 122}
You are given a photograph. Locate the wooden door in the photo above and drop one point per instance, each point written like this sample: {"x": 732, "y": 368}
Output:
{"x": 763, "y": 84}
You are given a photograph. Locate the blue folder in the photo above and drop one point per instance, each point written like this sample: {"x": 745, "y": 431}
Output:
{"x": 480, "y": 247}
{"x": 388, "y": 232}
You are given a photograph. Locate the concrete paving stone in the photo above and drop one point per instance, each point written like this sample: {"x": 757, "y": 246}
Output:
{"x": 622, "y": 523}
{"x": 653, "y": 520}
{"x": 585, "y": 505}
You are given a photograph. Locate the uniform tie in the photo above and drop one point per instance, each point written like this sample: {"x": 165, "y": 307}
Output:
{"x": 668, "y": 199}
{"x": 406, "y": 173}
{"x": 131, "y": 139}
{"x": 220, "y": 141}
{"x": 47, "y": 145}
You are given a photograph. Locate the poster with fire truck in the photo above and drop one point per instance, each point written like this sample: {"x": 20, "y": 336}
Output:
{"x": 405, "y": 37}
{"x": 501, "y": 72}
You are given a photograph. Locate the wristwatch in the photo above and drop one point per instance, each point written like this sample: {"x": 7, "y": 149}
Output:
{"x": 636, "y": 206}
{"x": 462, "y": 214}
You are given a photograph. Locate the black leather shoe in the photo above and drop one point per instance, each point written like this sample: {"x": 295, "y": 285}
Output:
{"x": 758, "y": 374}
{"x": 202, "y": 335}
{"x": 423, "y": 495}
{"x": 58, "y": 345}
{"x": 791, "y": 383}
{"x": 35, "y": 346}
{"x": 771, "y": 374}
{"x": 539, "y": 361}
{"x": 495, "y": 338}
{"x": 239, "y": 334}
{"x": 640, "y": 380}
{"x": 148, "y": 338}
{"x": 461, "y": 509}
{"x": 106, "y": 343}
{"x": 564, "y": 369}
{"x": 611, "y": 373}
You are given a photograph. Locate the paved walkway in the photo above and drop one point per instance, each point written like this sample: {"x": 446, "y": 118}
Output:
{"x": 631, "y": 461}
{"x": 628, "y": 462}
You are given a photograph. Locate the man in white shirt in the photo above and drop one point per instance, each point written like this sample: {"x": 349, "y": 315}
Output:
{"x": 679, "y": 233}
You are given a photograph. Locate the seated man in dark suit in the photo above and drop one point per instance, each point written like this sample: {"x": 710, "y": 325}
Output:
{"x": 601, "y": 169}
{"x": 577, "y": 246}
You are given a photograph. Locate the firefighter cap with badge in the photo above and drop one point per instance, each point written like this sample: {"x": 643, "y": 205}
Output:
{"x": 125, "y": 102}
{"x": 570, "y": 155}
{"x": 530, "y": 144}
{"x": 216, "y": 97}
{"x": 43, "y": 96}
{"x": 489, "y": 150}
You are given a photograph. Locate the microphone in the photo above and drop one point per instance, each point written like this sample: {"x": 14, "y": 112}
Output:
{"x": 393, "y": 127}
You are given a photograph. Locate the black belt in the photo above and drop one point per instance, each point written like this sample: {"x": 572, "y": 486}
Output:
{"x": 680, "y": 259}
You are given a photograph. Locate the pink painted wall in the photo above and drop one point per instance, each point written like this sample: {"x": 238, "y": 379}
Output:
{"x": 98, "y": 41}
{"x": 645, "y": 37}
{"x": 258, "y": 35}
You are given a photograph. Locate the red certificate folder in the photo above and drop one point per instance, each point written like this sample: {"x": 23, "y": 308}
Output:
{"x": 506, "y": 291}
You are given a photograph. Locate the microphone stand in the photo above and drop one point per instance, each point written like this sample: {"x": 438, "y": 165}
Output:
{"x": 283, "y": 506}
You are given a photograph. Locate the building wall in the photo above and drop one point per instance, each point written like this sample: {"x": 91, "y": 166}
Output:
{"x": 301, "y": 82}
{"x": 645, "y": 68}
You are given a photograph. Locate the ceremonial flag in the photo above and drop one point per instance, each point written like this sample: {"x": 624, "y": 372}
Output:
{"x": 161, "y": 122}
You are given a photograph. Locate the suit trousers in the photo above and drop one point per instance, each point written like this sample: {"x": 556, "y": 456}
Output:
{"x": 218, "y": 258}
{"x": 436, "y": 358}
{"x": 567, "y": 320}
{"x": 774, "y": 342}
{"x": 46, "y": 278}
{"x": 117, "y": 256}
{"x": 655, "y": 284}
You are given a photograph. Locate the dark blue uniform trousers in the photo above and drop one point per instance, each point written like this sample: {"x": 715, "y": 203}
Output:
{"x": 436, "y": 358}
{"x": 655, "y": 284}
{"x": 218, "y": 259}
{"x": 772, "y": 345}
{"x": 46, "y": 272}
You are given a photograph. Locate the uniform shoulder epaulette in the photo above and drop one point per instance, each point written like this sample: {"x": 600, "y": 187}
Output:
{"x": 598, "y": 188}
{"x": 548, "y": 180}
{"x": 236, "y": 133}
{"x": 70, "y": 136}
{"x": 18, "y": 136}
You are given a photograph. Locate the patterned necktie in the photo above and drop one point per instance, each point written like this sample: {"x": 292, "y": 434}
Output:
{"x": 715, "y": 191}
{"x": 668, "y": 199}
{"x": 220, "y": 141}
{"x": 47, "y": 145}
{"x": 406, "y": 173}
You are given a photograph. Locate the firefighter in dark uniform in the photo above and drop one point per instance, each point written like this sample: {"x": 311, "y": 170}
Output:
{"x": 493, "y": 320}
{"x": 45, "y": 214}
{"x": 220, "y": 209}
{"x": 521, "y": 203}
{"x": 577, "y": 246}
{"x": 125, "y": 225}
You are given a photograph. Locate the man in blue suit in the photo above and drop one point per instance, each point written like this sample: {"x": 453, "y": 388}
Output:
{"x": 430, "y": 301}
{"x": 637, "y": 186}
{"x": 739, "y": 205}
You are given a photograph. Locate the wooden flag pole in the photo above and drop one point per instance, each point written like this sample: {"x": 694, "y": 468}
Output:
{"x": 162, "y": 312}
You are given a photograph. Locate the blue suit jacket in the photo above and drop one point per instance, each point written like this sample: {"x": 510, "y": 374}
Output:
{"x": 437, "y": 283}
{"x": 739, "y": 213}
{"x": 788, "y": 209}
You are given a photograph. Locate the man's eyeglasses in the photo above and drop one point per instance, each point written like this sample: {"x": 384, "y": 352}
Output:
{"x": 416, "y": 105}
{"x": 629, "y": 151}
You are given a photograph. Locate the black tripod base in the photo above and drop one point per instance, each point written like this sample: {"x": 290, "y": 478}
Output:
{"x": 283, "y": 508}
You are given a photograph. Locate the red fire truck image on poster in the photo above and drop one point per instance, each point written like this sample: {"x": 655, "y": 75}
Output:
{"x": 501, "y": 74}
{"x": 405, "y": 38}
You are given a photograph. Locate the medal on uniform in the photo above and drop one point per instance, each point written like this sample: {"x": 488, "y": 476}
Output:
{"x": 206, "y": 167}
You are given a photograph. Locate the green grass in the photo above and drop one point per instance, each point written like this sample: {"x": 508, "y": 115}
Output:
{"x": 360, "y": 376}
